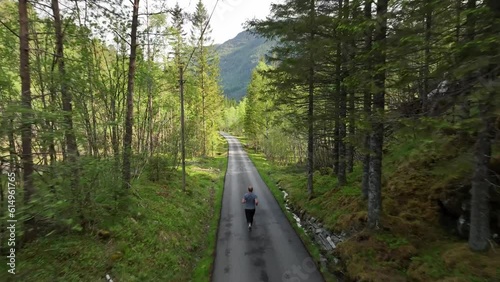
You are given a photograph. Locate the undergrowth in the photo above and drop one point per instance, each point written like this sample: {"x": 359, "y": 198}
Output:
{"x": 163, "y": 234}
{"x": 411, "y": 245}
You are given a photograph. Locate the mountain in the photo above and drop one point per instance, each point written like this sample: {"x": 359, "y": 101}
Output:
{"x": 238, "y": 58}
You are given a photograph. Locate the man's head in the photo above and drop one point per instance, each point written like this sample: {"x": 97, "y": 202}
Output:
{"x": 250, "y": 189}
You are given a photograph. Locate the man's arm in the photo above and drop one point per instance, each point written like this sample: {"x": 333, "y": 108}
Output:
{"x": 256, "y": 201}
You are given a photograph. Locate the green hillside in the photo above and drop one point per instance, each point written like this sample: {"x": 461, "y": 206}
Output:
{"x": 238, "y": 57}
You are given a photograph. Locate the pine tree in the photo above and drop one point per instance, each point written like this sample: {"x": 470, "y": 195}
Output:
{"x": 377, "y": 138}
{"x": 256, "y": 116}
{"x": 488, "y": 100}
{"x": 207, "y": 74}
{"x": 296, "y": 25}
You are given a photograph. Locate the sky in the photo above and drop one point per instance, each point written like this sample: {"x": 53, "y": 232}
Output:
{"x": 229, "y": 15}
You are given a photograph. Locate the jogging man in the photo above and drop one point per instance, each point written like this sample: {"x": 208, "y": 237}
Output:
{"x": 250, "y": 200}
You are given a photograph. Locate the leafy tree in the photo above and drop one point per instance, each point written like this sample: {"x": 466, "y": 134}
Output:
{"x": 206, "y": 68}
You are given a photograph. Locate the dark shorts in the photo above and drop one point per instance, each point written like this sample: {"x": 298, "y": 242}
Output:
{"x": 249, "y": 214}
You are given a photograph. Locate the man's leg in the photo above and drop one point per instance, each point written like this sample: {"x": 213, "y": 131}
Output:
{"x": 252, "y": 213}
{"x": 248, "y": 216}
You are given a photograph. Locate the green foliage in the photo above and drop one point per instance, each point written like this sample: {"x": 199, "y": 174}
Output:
{"x": 233, "y": 117}
{"x": 393, "y": 242}
{"x": 258, "y": 115}
{"x": 157, "y": 169}
{"x": 205, "y": 99}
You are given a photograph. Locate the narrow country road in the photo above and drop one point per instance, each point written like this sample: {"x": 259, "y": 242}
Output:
{"x": 271, "y": 251}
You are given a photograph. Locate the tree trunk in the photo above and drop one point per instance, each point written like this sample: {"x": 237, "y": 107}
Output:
{"x": 351, "y": 55}
{"x": 114, "y": 131}
{"x": 12, "y": 148}
{"x": 127, "y": 137}
{"x": 367, "y": 102}
{"x": 341, "y": 175}
{"x": 427, "y": 52}
{"x": 183, "y": 145}
{"x": 310, "y": 110}
{"x": 26, "y": 116}
{"x": 377, "y": 140}
{"x": 470, "y": 29}
{"x": 203, "y": 96}
{"x": 70, "y": 140}
{"x": 150, "y": 105}
{"x": 480, "y": 210}
{"x": 310, "y": 134}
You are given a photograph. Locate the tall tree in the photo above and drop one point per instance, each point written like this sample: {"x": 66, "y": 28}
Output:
{"x": 377, "y": 138}
{"x": 481, "y": 184}
{"x": 178, "y": 23}
{"x": 296, "y": 24}
{"x": 258, "y": 106}
{"x": 71, "y": 146}
{"x": 200, "y": 37}
{"x": 27, "y": 116}
{"x": 127, "y": 137}
{"x": 367, "y": 98}
{"x": 206, "y": 71}
{"x": 311, "y": 88}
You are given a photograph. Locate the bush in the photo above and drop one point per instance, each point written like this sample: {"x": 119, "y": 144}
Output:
{"x": 158, "y": 169}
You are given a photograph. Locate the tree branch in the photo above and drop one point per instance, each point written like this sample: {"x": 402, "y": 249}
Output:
{"x": 9, "y": 29}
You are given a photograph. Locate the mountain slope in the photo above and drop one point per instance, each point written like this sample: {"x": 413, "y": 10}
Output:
{"x": 238, "y": 57}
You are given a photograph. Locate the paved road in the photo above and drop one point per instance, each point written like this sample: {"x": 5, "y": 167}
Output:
{"x": 271, "y": 251}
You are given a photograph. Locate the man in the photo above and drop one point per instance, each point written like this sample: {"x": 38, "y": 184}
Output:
{"x": 250, "y": 200}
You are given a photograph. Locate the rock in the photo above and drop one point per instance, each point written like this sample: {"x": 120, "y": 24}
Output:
{"x": 329, "y": 239}
{"x": 313, "y": 219}
{"x": 103, "y": 234}
{"x": 296, "y": 218}
{"x": 323, "y": 261}
{"x": 116, "y": 256}
{"x": 319, "y": 230}
{"x": 496, "y": 238}
{"x": 463, "y": 227}
{"x": 285, "y": 194}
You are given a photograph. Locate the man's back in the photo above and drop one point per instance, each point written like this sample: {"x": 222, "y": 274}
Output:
{"x": 250, "y": 201}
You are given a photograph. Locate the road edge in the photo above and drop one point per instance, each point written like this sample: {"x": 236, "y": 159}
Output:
{"x": 214, "y": 251}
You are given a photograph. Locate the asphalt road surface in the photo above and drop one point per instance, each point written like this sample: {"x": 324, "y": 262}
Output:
{"x": 271, "y": 251}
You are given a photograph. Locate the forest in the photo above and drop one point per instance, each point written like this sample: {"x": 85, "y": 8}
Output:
{"x": 392, "y": 110}
{"x": 379, "y": 118}
{"x": 90, "y": 104}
